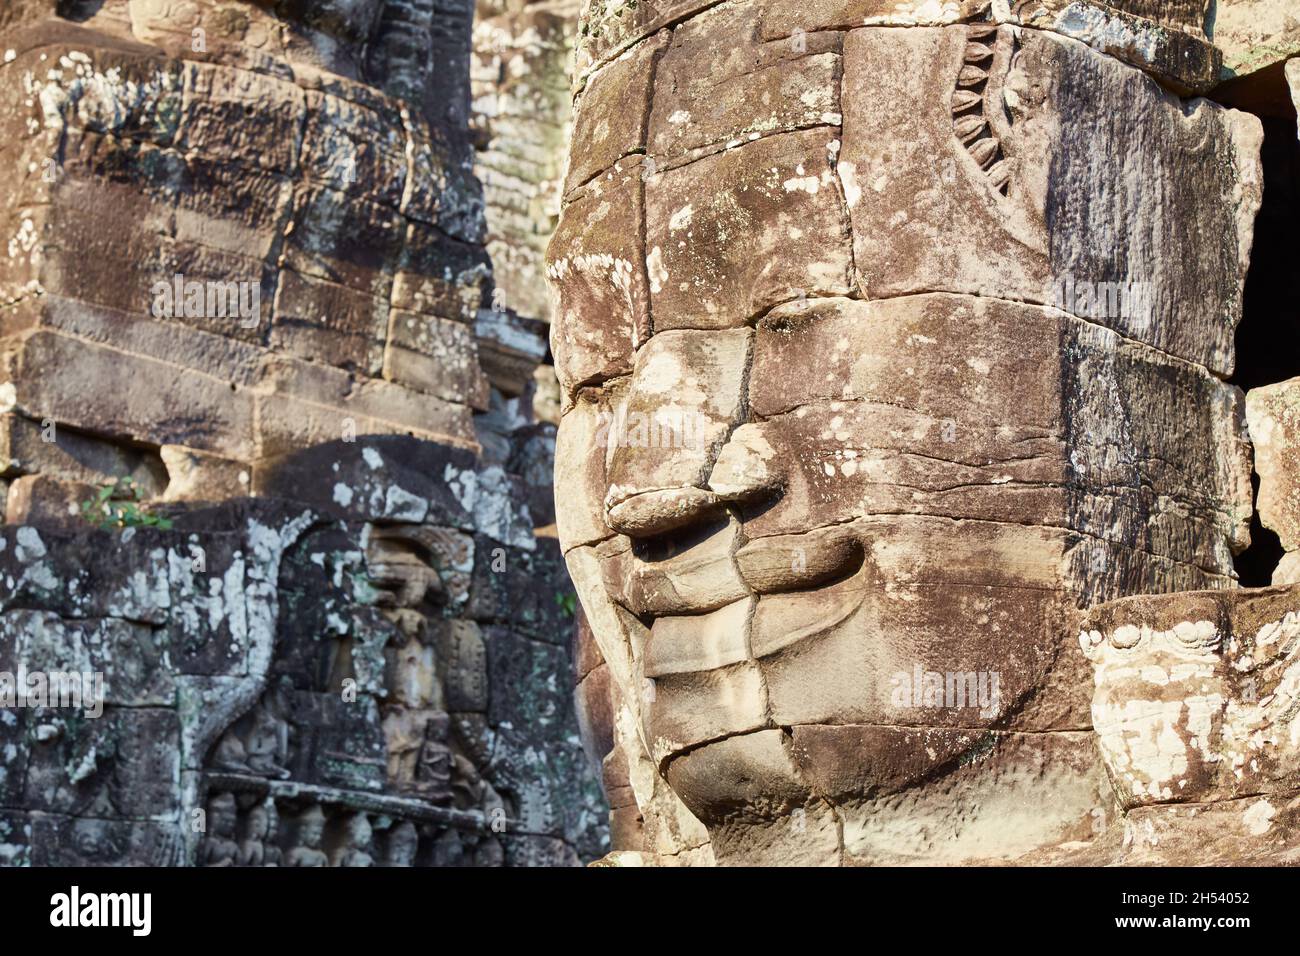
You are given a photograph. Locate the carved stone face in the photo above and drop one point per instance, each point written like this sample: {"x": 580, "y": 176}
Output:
{"x": 840, "y": 457}
{"x": 1194, "y": 698}
{"x": 222, "y": 814}
{"x": 311, "y": 827}
{"x": 258, "y": 826}
{"x": 402, "y": 844}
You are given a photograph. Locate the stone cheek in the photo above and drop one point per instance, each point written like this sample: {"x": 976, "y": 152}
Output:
{"x": 596, "y": 267}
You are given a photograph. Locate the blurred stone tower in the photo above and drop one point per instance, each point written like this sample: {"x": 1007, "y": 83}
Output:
{"x": 268, "y": 451}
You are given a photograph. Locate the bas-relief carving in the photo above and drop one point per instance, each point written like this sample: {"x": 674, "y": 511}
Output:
{"x": 429, "y": 663}
{"x": 917, "y": 462}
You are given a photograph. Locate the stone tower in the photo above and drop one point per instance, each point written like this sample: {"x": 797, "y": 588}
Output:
{"x": 894, "y": 342}
{"x": 268, "y": 451}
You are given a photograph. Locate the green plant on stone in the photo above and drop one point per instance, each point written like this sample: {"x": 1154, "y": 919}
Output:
{"x": 117, "y": 505}
{"x": 568, "y": 603}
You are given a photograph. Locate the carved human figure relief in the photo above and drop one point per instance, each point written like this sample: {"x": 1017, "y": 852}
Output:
{"x": 219, "y": 847}
{"x": 309, "y": 833}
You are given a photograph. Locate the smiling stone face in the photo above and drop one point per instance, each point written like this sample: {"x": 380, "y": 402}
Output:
{"x": 1197, "y": 694}
{"x": 857, "y": 419}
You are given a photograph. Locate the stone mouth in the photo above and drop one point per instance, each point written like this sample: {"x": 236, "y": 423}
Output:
{"x": 700, "y": 570}
{"x": 794, "y": 563}
{"x": 751, "y": 627}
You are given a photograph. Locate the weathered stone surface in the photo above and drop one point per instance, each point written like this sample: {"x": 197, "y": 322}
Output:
{"x": 89, "y": 841}
{"x": 1028, "y": 205}
{"x": 125, "y": 765}
{"x": 615, "y": 114}
{"x": 1003, "y": 779}
{"x": 28, "y": 447}
{"x": 320, "y": 321}
{"x": 520, "y": 78}
{"x": 749, "y": 90}
{"x": 1166, "y": 40}
{"x": 580, "y": 472}
{"x": 752, "y": 777}
{"x": 435, "y": 356}
{"x": 782, "y": 19}
{"x": 45, "y": 502}
{"x": 684, "y": 646}
{"x": 597, "y": 267}
{"x": 195, "y": 476}
{"x": 135, "y": 397}
{"x": 838, "y": 385}
{"x": 690, "y": 574}
{"x": 610, "y": 26}
{"x": 510, "y": 349}
{"x": 686, "y": 394}
{"x": 723, "y": 235}
{"x": 302, "y": 404}
{"x": 979, "y": 396}
{"x": 1195, "y": 693}
{"x": 1255, "y": 34}
{"x": 1293, "y": 79}
{"x": 1273, "y": 414}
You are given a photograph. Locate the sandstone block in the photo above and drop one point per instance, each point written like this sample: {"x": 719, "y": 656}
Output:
{"x": 45, "y": 502}
{"x": 779, "y": 193}
{"x": 685, "y": 710}
{"x": 610, "y": 28}
{"x": 614, "y": 113}
{"x": 1003, "y": 778}
{"x": 580, "y": 472}
{"x": 344, "y": 239}
{"x": 685, "y": 397}
{"x": 1273, "y": 414}
{"x": 355, "y": 148}
{"x": 323, "y": 322}
{"x": 241, "y": 116}
{"x": 948, "y": 194}
{"x": 718, "y": 85}
{"x": 193, "y": 475}
{"x": 436, "y": 356}
{"x": 1255, "y": 34}
{"x": 597, "y": 274}
{"x": 28, "y": 447}
{"x": 105, "y": 391}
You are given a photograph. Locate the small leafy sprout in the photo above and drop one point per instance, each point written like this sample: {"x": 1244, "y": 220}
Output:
{"x": 117, "y": 505}
{"x": 568, "y": 603}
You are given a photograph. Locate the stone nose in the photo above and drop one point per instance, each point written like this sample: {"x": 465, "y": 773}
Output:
{"x": 741, "y": 471}
{"x": 670, "y": 460}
